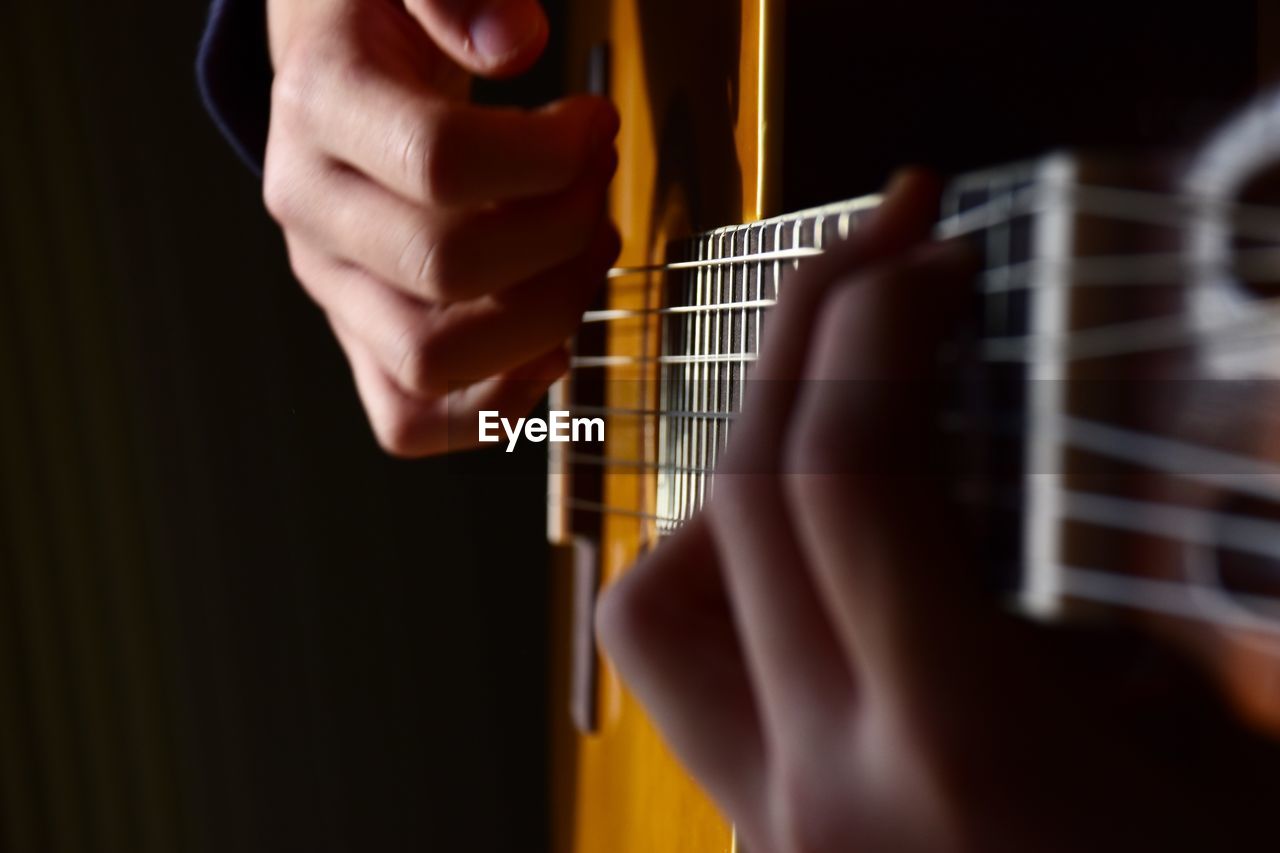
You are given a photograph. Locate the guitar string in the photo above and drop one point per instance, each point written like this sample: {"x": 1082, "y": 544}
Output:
{"x": 1179, "y": 599}
{"x": 1192, "y": 599}
{"x": 1257, "y": 222}
{"x": 1168, "y": 331}
{"x": 1155, "y": 269}
{"x": 1183, "y": 599}
{"x": 1149, "y": 334}
{"x": 1100, "y": 269}
{"x": 1195, "y": 526}
{"x": 1251, "y": 475}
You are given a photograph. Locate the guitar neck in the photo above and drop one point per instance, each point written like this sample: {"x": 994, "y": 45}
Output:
{"x": 721, "y": 284}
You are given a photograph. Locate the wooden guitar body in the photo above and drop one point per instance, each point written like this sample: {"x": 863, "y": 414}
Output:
{"x": 692, "y": 81}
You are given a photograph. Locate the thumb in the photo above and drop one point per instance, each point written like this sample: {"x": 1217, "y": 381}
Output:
{"x": 491, "y": 38}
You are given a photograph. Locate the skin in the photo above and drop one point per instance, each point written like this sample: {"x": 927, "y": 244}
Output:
{"x": 815, "y": 648}
{"x": 452, "y": 247}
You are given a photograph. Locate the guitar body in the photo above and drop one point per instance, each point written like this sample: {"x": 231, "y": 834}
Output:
{"x": 700, "y": 86}
{"x": 691, "y": 82}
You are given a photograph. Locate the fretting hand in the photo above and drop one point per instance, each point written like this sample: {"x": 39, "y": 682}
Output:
{"x": 815, "y": 647}
{"x": 452, "y": 247}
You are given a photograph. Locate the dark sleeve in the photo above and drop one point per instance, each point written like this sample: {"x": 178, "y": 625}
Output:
{"x": 234, "y": 72}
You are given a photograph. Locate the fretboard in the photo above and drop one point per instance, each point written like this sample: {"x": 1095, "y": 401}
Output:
{"x": 669, "y": 371}
{"x": 722, "y": 284}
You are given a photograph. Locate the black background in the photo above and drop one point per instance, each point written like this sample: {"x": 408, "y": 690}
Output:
{"x": 227, "y": 621}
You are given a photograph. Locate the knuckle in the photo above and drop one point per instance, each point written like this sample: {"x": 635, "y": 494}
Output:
{"x": 312, "y": 71}
{"x": 293, "y": 91}
{"x": 418, "y": 261}
{"x": 427, "y": 153}
{"x": 419, "y": 357}
{"x": 431, "y": 264}
{"x": 301, "y": 267}
{"x": 396, "y": 432}
{"x": 411, "y": 142}
{"x": 279, "y": 189}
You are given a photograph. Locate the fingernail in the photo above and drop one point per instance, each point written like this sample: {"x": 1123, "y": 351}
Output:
{"x": 505, "y": 27}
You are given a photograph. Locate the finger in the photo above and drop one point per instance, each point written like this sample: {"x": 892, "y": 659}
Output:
{"x": 428, "y": 349}
{"x": 803, "y": 681}
{"x": 668, "y": 628}
{"x": 435, "y": 257}
{"x": 484, "y": 336}
{"x": 487, "y": 37}
{"x": 803, "y": 678}
{"x": 409, "y": 428}
{"x": 433, "y": 150}
{"x": 873, "y": 520}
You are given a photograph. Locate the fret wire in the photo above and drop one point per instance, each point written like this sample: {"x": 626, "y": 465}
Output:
{"x": 703, "y": 374}
{"x": 778, "y": 237}
{"x": 690, "y": 458}
{"x": 664, "y": 426}
{"x": 713, "y": 425}
{"x": 699, "y": 383}
{"x": 700, "y": 380}
{"x": 723, "y": 346}
{"x": 738, "y": 293}
{"x": 1181, "y": 598}
{"x": 673, "y": 374}
{"x": 715, "y": 277}
{"x": 685, "y": 459}
{"x": 688, "y": 346}
{"x": 746, "y": 295}
{"x": 690, "y": 377}
{"x": 728, "y": 338}
{"x": 681, "y": 372}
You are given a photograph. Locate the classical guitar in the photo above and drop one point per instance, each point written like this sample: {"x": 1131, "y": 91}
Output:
{"x": 1126, "y": 332}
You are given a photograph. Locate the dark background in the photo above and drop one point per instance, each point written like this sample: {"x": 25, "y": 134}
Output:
{"x": 227, "y": 622}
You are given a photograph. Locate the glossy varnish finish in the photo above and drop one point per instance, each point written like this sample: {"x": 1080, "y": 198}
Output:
{"x": 697, "y": 151}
